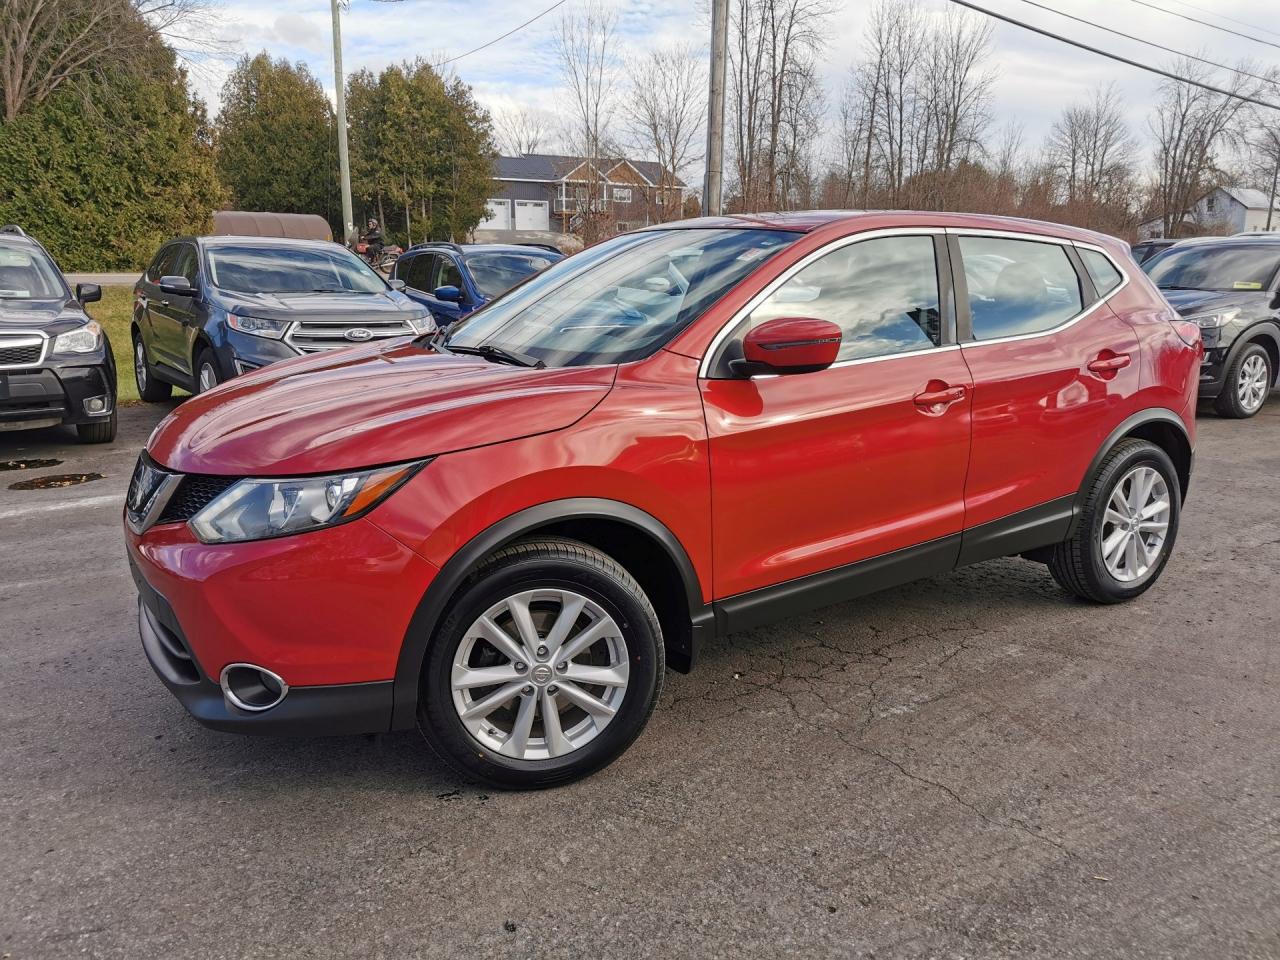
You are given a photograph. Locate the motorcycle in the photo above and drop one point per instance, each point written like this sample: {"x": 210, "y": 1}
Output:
{"x": 383, "y": 260}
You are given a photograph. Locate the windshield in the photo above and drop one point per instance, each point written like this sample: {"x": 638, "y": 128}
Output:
{"x": 27, "y": 274}
{"x": 264, "y": 269}
{"x": 619, "y": 300}
{"x": 1215, "y": 267}
{"x": 496, "y": 273}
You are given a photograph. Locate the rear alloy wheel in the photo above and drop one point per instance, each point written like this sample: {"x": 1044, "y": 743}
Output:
{"x": 546, "y": 668}
{"x": 1127, "y": 528}
{"x": 1247, "y": 384}
{"x": 149, "y": 388}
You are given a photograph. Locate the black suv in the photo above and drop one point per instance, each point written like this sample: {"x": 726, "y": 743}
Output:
{"x": 209, "y": 308}
{"x": 55, "y": 361}
{"x": 1230, "y": 287}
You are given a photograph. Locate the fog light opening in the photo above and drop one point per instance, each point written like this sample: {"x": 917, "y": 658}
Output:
{"x": 253, "y": 688}
{"x": 97, "y": 406}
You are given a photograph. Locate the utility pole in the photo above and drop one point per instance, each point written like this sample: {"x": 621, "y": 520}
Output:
{"x": 344, "y": 160}
{"x": 714, "y": 184}
{"x": 1275, "y": 178}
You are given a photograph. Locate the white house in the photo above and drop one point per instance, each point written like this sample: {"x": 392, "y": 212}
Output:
{"x": 1224, "y": 210}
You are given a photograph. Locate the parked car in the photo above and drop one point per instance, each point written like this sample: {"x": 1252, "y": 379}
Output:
{"x": 453, "y": 281}
{"x": 209, "y": 308}
{"x": 1230, "y": 288}
{"x": 1144, "y": 250}
{"x": 504, "y": 536}
{"x": 55, "y": 360}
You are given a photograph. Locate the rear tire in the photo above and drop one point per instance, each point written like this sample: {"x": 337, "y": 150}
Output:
{"x": 149, "y": 388}
{"x": 1246, "y": 384}
{"x": 549, "y": 721}
{"x": 1127, "y": 529}
{"x": 100, "y": 431}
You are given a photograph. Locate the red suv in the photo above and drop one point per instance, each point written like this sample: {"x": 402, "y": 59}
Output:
{"x": 503, "y": 535}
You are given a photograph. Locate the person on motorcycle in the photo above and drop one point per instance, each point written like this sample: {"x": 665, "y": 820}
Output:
{"x": 373, "y": 242}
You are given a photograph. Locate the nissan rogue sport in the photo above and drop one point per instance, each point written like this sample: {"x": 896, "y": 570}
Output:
{"x": 505, "y": 533}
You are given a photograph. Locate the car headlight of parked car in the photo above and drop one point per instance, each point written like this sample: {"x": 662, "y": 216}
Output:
{"x": 258, "y": 509}
{"x": 1211, "y": 321}
{"x": 84, "y": 339}
{"x": 423, "y": 323}
{"x": 259, "y": 326}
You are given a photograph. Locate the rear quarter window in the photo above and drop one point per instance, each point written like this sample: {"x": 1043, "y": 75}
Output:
{"x": 1102, "y": 271}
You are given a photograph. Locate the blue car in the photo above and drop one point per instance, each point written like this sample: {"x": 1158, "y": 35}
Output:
{"x": 453, "y": 280}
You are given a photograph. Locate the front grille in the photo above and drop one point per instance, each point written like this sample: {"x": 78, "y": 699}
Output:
{"x": 312, "y": 336}
{"x": 195, "y": 492}
{"x": 21, "y": 352}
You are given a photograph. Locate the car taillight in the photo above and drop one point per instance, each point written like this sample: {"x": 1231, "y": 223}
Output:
{"x": 1189, "y": 333}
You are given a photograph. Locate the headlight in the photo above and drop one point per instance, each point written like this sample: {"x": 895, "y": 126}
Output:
{"x": 423, "y": 324}
{"x": 259, "y": 509}
{"x": 84, "y": 339}
{"x": 1207, "y": 321}
{"x": 259, "y": 326}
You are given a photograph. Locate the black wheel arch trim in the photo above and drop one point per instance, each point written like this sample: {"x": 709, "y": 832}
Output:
{"x": 1265, "y": 328}
{"x": 1152, "y": 415}
{"x": 431, "y": 608}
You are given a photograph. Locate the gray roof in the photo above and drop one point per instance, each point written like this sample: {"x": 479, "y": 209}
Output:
{"x": 554, "y": 166}
{"x": 1249, "y": 197}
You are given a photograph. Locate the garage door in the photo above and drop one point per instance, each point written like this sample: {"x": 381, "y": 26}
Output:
{"x": 532, "y": 215}
{"x": 497, "y": 215}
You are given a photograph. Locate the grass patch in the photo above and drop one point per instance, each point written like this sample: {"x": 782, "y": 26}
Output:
{"x": 115, "y": 313}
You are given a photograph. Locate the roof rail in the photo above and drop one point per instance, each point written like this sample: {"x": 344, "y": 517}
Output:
{"x": 541, "y": 246}
{"x": 14, "y": 229}
{"x": 438, "y": 243}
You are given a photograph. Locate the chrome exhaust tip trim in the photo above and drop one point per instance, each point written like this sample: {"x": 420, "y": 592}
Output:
{"x": 246, "y": 686}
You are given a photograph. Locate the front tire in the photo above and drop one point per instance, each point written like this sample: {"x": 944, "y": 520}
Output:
{"x": 206, "y": 371}
{"x": 1246, "y": 385}
{"x": 545, "y": 668}
{"x": 100, "y": 431}
{"x": 1127, "y": 528}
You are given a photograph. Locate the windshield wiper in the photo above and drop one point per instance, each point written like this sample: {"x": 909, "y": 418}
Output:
{"x": 499, "y": 355}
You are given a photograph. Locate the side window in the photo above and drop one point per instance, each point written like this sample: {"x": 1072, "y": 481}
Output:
{"x": 882, "y": 293}
{"x": 1103, "y": 272}
{"x": 186, "y": 263}
{"x": 449, "y": 275}
{"x": 159, "y": 266}
{"x": 416, "y": 271}
{"x": 1018, "y": 286}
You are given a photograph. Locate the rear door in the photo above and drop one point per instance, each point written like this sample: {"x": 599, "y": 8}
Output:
{"x": 151, "y": 319}
{"x": 816, "y": 471}
{"x": 1054, "y": 371}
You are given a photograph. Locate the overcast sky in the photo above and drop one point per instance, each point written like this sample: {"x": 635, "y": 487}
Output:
{"x": 1036, "y": 76}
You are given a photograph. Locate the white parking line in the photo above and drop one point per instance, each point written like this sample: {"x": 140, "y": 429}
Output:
{"x": 116, "y": 498}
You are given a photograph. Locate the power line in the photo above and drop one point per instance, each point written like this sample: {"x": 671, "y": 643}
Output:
{"x": 1114, "y": 56}
{"x": 1150, "y": 43}
{"x": 1205, "y": 23}
{"x": 504, "y": 36}
{"x": 1223, "y": 16}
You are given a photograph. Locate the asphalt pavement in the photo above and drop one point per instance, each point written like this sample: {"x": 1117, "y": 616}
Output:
{"x": 971, "y": 766}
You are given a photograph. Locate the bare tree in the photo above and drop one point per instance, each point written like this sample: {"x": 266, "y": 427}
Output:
{"x": 1091, "y": 153}
{"x": 667, "y": 110}
{"x": 521, "y": 131}
{"x": 47, "y": 44}
{"x": 1191, "y": 126}
{"x": 772, "y": 48}
{"x": 589, "y": 65}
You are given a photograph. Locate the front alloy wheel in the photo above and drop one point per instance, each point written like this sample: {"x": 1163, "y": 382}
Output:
{"x": 1247, "y": 383}
{"x": 545, "y": 669}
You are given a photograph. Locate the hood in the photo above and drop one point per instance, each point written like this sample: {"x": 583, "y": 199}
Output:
{"x": 304, "y": 306}
{"x": 365, "y": 406}
{"x": 39, "y": 314}
{"x": 1191, "y": 303}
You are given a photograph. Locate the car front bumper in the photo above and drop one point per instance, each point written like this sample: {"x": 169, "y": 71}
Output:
{"x": 56, "y": 392}
{"x": 327, "y": 611}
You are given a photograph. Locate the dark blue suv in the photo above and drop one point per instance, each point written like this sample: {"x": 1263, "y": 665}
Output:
{"x": 452, "y": 280}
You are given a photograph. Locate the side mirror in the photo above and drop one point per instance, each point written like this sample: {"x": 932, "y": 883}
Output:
{"x": 396, "y": 284}
{"x": 789, "y": 345}
{"x": 88, "y": 292}
{"x": 450, "y": 293}
{"x": 177, "y": 286}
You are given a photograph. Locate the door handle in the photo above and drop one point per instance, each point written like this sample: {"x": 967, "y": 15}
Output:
{"x": 1109, "y": 363}
{"x": 935, "y": 402}
{"x": 163, "y": 303}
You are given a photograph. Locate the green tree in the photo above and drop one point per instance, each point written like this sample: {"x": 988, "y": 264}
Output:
{"x": 422, "y": 150}
{"x": 104, "y": 171}
{"x": 275, "y": 139}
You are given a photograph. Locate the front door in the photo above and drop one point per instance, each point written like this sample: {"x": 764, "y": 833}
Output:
{"x": 174, "y": 316}
{"x": 812, "y": 472}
